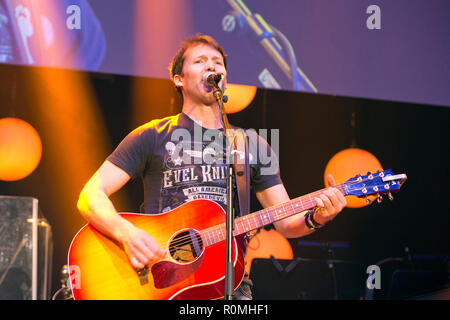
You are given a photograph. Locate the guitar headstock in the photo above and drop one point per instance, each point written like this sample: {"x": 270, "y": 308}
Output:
{"x": 374, "y": 184}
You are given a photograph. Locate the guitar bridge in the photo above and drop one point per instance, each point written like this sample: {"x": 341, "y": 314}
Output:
{"x": 143, "y": 275}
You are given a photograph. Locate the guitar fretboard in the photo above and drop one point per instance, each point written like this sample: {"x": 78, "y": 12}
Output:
{"x": 264, "y": 217}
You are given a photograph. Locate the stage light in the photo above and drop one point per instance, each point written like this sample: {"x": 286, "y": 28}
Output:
{"x": 266, "y": 244}
{"x": 239, "y": 97}
{"x": 20, "y": 149}
{"x": 348, "y": 163}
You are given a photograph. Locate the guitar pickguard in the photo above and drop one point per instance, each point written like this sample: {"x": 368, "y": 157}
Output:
{"x": 186, "y": 248}
{"x": 167, "y": 273}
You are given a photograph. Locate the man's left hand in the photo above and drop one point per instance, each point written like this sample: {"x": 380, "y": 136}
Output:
{"x": 330, "y": 202}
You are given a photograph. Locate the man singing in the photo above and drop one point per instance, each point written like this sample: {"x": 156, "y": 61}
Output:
{"x": 172, "y": 178}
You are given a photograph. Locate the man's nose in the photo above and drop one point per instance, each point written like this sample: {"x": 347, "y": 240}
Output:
{"x": 210, "y": 66}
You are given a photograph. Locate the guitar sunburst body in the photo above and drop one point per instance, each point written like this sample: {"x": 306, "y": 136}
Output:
{"x": 194, "y": 267}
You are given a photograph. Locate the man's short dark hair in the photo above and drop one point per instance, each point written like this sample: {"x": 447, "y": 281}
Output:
{"x": 176, "y": 66}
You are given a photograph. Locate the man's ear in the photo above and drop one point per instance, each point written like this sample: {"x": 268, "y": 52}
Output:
{"x": 178, "y": 80}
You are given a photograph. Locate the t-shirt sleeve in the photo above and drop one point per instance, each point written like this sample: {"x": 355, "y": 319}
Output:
{"x": 134, "y": 152}
{"x": 265, "y": 171}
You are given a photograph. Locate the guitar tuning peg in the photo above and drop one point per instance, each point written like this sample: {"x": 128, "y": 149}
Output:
{"x": 390, "y": 196}
{"x": 379, "y": 198}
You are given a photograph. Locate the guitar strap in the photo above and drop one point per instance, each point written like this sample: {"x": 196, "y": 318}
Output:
{"x": 242, "y": 170}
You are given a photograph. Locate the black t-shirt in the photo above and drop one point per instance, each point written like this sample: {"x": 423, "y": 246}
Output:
{"x": 178, "y": 161}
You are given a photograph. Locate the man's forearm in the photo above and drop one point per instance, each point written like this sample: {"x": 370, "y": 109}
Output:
{"x": 98, "y": 210}
{"x": 293, "y": 227}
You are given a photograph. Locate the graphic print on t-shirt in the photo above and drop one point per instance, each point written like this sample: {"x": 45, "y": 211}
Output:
{"x": 193, "y": 171}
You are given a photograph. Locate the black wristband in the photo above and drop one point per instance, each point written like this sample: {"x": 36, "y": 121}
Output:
{"x": 308, "y": 222}
{"x": 314, "y": 222}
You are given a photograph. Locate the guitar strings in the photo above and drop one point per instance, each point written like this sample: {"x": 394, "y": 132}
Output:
{"x": 291, "y": 210}
{"x": 184, "y": 240}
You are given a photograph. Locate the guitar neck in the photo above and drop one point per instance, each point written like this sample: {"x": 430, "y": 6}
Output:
{"x": 265, "y": 216}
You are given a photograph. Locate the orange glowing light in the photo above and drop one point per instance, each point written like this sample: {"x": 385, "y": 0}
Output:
{"x": 20, "y": 149}
{"x": 266, "y": 244}
{"x": 239, "y": 97}
{"x": 348, "y": 163}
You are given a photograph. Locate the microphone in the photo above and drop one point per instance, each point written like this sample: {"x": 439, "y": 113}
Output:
{"x": 211, "y": 80}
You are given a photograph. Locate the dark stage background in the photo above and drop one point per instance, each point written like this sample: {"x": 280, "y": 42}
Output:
{"x": 408, "y": 138}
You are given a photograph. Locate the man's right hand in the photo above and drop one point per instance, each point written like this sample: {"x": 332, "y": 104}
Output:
{"x": 141, "y": 248}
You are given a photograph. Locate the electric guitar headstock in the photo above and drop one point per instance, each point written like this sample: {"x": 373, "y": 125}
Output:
{"x": 378, "y": 183}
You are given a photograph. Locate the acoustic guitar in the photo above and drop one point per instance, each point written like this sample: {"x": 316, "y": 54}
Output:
{"x": 194, "y": 237}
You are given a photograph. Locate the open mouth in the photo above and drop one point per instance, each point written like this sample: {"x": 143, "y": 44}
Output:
{"x": 206, "y": 89}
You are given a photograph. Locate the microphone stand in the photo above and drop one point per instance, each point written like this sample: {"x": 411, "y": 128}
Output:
{"x": 229, "y": 225}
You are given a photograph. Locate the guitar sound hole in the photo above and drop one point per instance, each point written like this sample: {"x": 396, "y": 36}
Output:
{"x": 186, "y": 246}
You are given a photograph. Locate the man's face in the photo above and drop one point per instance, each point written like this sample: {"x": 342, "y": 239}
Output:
{"x": 199, "y": 60}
